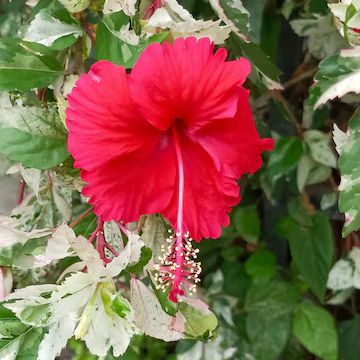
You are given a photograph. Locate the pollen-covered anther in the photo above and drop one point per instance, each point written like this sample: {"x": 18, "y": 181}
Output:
{"x": 180, "y": 276}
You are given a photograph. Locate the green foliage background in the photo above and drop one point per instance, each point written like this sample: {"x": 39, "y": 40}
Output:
{"x": 266, "y": 278}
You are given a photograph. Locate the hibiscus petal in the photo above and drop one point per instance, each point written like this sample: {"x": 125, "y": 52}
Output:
{"x": 186, "y": 80}
{"x": 128, "y": 164}
{"x": 234, "y": 144}
{"x": 208, "y": 195}
{"x": 103, "y": 121}
{"x": 142, "y": 182}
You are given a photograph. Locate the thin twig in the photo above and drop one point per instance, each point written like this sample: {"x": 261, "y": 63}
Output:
{"x": 81, "y": 217}
{"x": 305, "y": 75}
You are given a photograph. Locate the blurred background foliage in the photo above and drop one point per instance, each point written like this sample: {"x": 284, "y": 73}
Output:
{"x": 267, "y": 277}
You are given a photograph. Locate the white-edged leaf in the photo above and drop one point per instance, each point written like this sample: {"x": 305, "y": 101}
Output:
{"x": 74, "y": 6}
{"x": 233, "y": 14}
{"x": 62, "y": 199}
{"x": 105, "y": 332}
{"x": 58, "y": 246}
{"x": 345, "y": 273}
{"x": 349, "y": 187}
{"x": 320, "y": 150}
{"x": 341, "y": 275}
{"x": 340, "y": 138}
{"x": 88, "y": 254}
{"x": 181, "y": 24}
{"x": 56, "y": 339}
{"x": 127, "y": 6}
{"x": 10, "y": 235}
{"x": 322, "y": 37}
{"x": 35, "y": 120}
{"x": 45, "y": 29}
{"x": 113, "y": 235}
{"x": 130, "y": 255}
{"x": 346, "y": 84}
{"x": 42, "y": 305}
{"x": 148, "y": 314}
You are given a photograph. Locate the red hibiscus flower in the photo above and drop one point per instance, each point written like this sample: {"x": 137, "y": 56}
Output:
{"x": 172, "y": 137}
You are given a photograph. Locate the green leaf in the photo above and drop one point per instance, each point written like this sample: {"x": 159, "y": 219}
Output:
{"x": 32, "y": 150}
{"x": 320, "y": 150}
{"x": 18, "y": 341}
{"x": 311, "y": 245}
{"x": 349, "y": 198}
{"x": 145, "y": 257}
{"x": 236, "y": 280}
{"x": 118, "y": 44}
{"x": 268, "y": 335}
{"x": 271, "y": 297}
{"x": 120, "y": 307}
{"x": 315, "y": 329}
{"x": 247, "y": 223}
{"x": 349, "y": 334}
{"x": 311, "y": 172}
{"x": 262, "y": 62}
{"x": 163, "y": 296}
{"x": 284, "y": 158}
{"x": 201, "y": 323}
{"x": 269, "y": 305}
{"x": 9, "y": 253}
{"x": 25, "y": 65}
{"x": 256, "y": 10}
{"x": 261, "y": 265}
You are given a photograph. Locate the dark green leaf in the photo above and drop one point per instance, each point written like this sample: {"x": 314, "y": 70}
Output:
{"x": 349, "y": 334}
{"x": 247, "y": 223}
{"x": 284, "y": 158}
{"x": 261, "y": 265}
{"x": 311, "y": 246}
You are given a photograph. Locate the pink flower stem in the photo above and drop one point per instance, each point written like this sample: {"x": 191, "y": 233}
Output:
{"x": 123, "y": 228}
{"x": 101, "y": 243}
{"x": 111, "y": 248}
{"x": 152, "y": 7}
{"x": 179, "y": 223}
{"x": 20, "y": 196}
{"x": 99, "y": 228}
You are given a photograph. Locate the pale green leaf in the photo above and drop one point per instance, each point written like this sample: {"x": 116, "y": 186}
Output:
{"x": 148, "y": 314}
{"x": 200, "y": 323}
{"x": 74, "y": 6}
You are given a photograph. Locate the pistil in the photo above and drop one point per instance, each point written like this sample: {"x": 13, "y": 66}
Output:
{"x": 178, "y": 268}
